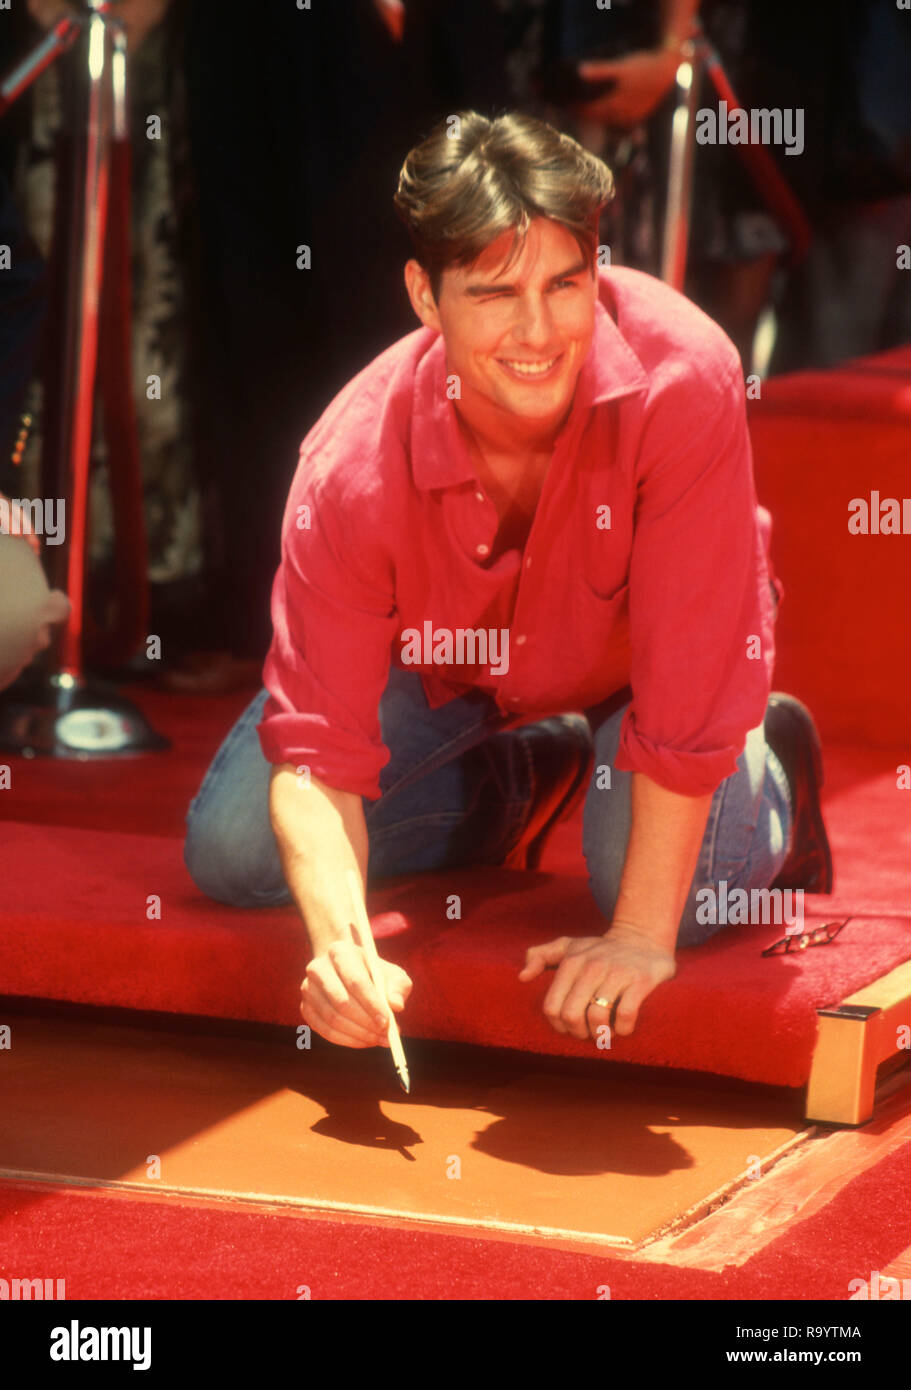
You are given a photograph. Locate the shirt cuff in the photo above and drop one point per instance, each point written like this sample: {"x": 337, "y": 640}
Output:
{"x": 688, "y": 774}
{"x": 339, "y": 759}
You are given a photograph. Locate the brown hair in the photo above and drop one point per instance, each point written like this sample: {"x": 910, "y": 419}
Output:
{"x": 472, "y": 179}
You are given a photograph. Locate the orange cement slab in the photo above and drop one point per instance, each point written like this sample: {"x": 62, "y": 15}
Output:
{"x": 498, "y": 1145}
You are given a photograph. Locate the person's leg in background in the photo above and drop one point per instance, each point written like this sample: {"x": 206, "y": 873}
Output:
{"x": 28, "y": 608}
{"x": 746, "y": 840}
{"x": 22, "y": 307}
{"x": 734, "y": 293}
{"x": 849, "y": 298}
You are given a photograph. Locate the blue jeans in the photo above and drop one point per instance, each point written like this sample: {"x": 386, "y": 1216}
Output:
{"x": 458, "y": 791}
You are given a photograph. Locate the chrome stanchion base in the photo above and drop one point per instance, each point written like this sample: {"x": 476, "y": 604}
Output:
{"x": 64, "y": 716}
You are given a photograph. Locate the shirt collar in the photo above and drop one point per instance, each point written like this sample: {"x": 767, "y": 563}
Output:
{"x": 439, "y": 456}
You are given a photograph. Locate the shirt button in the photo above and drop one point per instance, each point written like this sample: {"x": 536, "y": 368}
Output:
{"x": 479, "y": 496}
{"x": 520, "y": 640}
{"x": 483, "y": 550}
{"x": 528, "y": 562}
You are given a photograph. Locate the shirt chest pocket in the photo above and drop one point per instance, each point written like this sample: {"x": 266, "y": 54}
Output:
{"x": 601, "y": 617}
{"x": 589, "y": 645}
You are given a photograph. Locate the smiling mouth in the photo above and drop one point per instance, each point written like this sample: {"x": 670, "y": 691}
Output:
{"x": 530, "y": 371}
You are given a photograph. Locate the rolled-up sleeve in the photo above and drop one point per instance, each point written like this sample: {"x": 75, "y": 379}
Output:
{"x": 334, "y": 621}
{"x": 701, "y": 613}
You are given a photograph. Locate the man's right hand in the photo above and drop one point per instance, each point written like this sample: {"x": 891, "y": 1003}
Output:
{"x": 340, "y": 1002}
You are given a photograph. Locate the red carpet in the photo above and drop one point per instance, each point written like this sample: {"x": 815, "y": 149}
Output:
{"x": 77, "y": 893}
{"x": 154, "y": 1250}
{"x": 82, "y": 895}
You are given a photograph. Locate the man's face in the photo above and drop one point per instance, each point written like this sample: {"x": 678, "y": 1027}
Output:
{"x": 517, "y": 338}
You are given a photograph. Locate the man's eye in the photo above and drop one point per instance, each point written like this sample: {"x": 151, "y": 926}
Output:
{"x": 566, "y": 284}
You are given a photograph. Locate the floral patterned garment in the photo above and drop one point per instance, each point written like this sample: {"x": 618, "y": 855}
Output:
{"x": 170, "y": 490}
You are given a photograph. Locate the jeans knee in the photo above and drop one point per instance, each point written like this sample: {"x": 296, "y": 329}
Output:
{"x": 606, "y": 825}
{"x": 218, "y": 861}
{"x": 201, "y": 855}
{"x": 605, "y": 856}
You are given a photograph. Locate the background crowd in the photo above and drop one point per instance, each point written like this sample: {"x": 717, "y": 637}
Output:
{"x": 284, "y": 126}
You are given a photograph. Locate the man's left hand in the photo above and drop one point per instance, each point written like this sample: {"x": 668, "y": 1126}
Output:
{"x": 623, "y": 966}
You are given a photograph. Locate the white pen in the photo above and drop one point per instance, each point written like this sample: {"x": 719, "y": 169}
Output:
{"x": 366, "y": 941}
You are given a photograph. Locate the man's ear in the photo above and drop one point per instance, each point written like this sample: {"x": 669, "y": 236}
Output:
{"x": 417, "y": 283}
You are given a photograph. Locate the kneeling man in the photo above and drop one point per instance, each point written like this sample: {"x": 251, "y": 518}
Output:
{"x": 522, "y": 563}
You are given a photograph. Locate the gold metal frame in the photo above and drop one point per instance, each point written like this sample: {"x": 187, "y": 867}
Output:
{"x": 855, "y": 1037}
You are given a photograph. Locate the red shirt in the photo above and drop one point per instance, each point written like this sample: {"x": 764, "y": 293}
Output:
{"x": 387, "y": 528}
